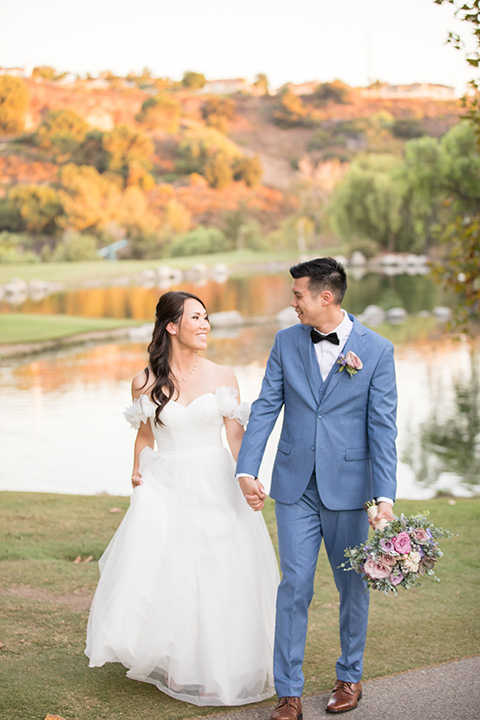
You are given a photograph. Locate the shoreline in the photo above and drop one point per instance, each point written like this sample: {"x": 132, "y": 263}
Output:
{"x": 29, "y": 349}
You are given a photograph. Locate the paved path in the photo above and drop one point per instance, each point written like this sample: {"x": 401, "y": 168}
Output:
{"x": 447, "y": 692}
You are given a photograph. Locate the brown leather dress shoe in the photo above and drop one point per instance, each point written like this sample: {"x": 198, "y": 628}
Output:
{"x": 288, "y": 708}
{"x": 345, "y": 696}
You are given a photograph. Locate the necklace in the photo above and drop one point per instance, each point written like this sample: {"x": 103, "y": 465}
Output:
{"x": 197, "y": 358}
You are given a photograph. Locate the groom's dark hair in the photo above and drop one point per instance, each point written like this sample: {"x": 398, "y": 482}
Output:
{"x": 324, "y": 274}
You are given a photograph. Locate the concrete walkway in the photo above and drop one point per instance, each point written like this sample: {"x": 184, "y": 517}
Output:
{"x": 447, "y": 692}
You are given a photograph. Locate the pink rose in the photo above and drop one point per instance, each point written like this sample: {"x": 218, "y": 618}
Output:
{"x": 420, "y": 535}
{"x": 376, "y": 569}
{"x": 387, "y": 560}
{"x": 402, "y": 543}
{"x": 353, "y": 360}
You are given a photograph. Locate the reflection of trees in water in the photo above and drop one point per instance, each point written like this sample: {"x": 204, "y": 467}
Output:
{"x": 452, "y": 445}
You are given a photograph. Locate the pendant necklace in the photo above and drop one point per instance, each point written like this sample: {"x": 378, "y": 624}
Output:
{"x": 197, "y": 358}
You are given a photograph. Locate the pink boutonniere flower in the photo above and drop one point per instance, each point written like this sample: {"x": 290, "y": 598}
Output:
{"x": 350, "y": 362}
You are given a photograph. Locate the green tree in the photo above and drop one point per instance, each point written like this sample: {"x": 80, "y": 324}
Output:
{"x": 334, "y": 92}
{"x": 194, "y": 80}
{"x": 62, "y": 132}
{"x": 459, "y": 267}
{"x": 13, "y": 104}
{"x": 368, "y": 204}
{"x": 161, "y": 112}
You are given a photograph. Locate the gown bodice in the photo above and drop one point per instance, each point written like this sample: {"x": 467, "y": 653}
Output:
{"x": 191, "y": 428}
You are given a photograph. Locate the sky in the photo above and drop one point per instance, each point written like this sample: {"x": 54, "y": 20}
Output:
{"x": 356, "y": 41}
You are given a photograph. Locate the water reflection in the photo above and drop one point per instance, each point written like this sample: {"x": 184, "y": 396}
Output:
{"x": 63, "y": 430}
{"x": 448, "y": 447}
{"x": 252, "y": 295}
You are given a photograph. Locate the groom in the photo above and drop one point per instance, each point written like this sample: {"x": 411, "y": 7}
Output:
{"x": 336, "y": 450}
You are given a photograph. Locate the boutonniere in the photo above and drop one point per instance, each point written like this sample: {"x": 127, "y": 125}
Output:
{"x": 349, "y": 362}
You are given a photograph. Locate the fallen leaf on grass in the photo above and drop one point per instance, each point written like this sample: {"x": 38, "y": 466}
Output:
{"x": 115, "y": 510}
{"x": 78, "y": 560}
{"x": 54, "y": 717}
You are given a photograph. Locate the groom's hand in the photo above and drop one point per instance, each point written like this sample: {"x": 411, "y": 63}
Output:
{"x": 384, "y": 512}
{"x": 253, "y": 492}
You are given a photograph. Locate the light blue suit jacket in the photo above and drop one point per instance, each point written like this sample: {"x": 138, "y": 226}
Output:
{"x": 344, "y": 428}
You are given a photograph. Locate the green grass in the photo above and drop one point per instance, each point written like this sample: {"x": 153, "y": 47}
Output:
{"x": 17, "y": 328}
{"x": 45, "y": 596}
{"x": 72, "y": 273}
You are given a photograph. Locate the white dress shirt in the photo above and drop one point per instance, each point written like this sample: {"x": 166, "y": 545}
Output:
{"x": 326, "y": 352}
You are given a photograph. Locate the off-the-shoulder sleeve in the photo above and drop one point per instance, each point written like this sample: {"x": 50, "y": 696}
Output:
{"x": 230, "y": 407}
{"x": 139, "y": 411}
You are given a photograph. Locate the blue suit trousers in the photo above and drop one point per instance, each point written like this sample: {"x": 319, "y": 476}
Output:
{"x": 301, "y": 527}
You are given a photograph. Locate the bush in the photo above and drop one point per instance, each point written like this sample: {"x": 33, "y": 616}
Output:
{"x": 13, "y": 249}
{"x": 336, "y": 92}
{"x": 218, "y": 171}
{"x": 76, "y": 247}
{"x": 161, "y": 112}
{"x": 201, "y": 241}
{"x": 407, "y": 129}
{"x": 13, "y": 104}
{"x": 194, "y": 80}
{"x": 320, "y": 140}
{"x": 62, "y": 131}
{"x": 368, "y": 248}
{"x": 249, "y": 170}
{"x": 291, "y": 112}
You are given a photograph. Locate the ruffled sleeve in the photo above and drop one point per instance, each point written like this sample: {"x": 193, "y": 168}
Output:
{"x": 230, "y": 407}
{"x": 139, "y": 411}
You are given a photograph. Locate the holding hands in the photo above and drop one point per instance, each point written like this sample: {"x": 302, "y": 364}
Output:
{"x": 253, "y": 492}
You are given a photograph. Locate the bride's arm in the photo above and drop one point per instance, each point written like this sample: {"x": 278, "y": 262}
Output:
{"x": 145, "y": 436}
{"x": 235, "y": 433}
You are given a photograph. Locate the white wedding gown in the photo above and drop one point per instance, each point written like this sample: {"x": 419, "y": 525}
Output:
{"x": 186, "y": 597}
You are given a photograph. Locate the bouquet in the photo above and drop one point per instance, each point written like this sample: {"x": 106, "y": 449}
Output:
{"x": 399, "y": 552}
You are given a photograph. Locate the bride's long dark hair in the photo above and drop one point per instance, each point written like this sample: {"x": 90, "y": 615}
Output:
{"x": 169, "y": 310}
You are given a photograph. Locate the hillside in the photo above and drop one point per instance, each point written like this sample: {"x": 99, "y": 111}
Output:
{"x": 157, "y": 164}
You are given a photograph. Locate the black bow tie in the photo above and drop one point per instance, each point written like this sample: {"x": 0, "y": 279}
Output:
{"x": 318, "y": 337}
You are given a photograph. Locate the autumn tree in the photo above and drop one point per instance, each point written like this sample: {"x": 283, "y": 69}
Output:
{"x": 34, "y": 208}
{"x": 291, "y": 112}
{"x": 13, "y": 104}
{"x": 161, "y": 112}
{"x": 248, "y": 169}
{"x": 62, "y": 132}
{"x": 218, "y": 111}
{"x": 128, "y": 154}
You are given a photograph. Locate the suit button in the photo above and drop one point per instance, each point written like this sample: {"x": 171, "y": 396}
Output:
{"x": 320, "y": 417}
{"x": 312, "y": 447}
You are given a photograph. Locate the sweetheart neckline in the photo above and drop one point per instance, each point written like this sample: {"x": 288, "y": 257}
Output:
{"x": 175, "y": 402}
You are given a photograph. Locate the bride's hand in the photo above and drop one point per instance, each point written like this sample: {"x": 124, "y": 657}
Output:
{"x": 253, "y": 492}
{"x": 136, "y": 480}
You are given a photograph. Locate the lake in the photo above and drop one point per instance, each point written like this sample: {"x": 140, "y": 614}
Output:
{"x": 62, "y": 426}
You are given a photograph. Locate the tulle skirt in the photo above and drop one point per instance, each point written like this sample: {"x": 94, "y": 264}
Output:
{"x": 186, "y": 597}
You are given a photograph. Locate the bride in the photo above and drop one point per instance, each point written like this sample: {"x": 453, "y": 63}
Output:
{"x": 186, "y": 597}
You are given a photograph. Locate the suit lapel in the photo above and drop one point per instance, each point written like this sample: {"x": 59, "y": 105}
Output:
{"x": 354, "y": 343}
{"x": 309, "y": 359}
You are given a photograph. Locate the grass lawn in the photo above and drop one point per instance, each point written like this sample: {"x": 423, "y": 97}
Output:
{"x": 45, "y": 598}
{"x": 18, "y": 328}
{"x": 78, "y": 272}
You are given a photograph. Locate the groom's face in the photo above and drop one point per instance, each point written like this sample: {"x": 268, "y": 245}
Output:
{"x": 309, "y": 308}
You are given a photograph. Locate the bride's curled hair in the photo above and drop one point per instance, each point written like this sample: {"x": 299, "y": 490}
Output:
{"x": 169, "y": 310}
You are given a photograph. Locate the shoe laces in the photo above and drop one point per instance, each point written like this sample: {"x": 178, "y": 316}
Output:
{"x": 292, "y": 701}
{"x": 344, "y": 685}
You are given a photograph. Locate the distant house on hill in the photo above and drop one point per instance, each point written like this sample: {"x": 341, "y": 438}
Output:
{"x": 306, "y": 88}
{"x": 228, "y": 87}
{"x": 417, "y": 90}
{"x": 15, "y": 71}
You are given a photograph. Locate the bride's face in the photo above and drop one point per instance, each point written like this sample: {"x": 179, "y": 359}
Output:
{"x": 193, "y": 328}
